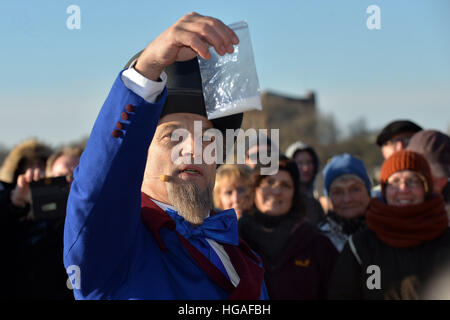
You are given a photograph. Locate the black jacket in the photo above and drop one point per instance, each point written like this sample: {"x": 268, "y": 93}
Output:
{"x": 403, "y": 272}
{"x": 32, "y": 254}
{"x": 297, "y": 258}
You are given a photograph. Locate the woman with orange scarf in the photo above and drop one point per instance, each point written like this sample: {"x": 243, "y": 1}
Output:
{"x": 407, "y": 241}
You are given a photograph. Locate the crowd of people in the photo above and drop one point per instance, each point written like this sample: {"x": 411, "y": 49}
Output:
{"x": 400, "y": 226}
{"x": 308, "y": 252}
{"x": 141, "y": 227}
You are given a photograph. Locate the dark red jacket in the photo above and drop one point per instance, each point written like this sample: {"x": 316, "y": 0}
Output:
{"x": 304, "y": 266}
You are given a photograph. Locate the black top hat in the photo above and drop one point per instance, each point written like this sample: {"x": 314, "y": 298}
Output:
{"x": 185, "y": 93}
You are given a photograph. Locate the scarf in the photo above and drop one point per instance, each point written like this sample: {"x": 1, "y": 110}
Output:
{"x": 407, "y": 226}
{"x": 268, "y": 235}
{"x": 349, "y": 226}
{"x": 269, "y": 221}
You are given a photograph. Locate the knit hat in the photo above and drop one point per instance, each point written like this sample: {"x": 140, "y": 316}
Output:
{"x": 345, "y": 164}
{"x": 406, "y": 160}
{"x": 395, "y": 128}
{"x": 435, "y": 147}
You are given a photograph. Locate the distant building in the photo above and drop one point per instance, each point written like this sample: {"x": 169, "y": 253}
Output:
{"x": 277, "y": 108}
{"x": 292, "y": 115}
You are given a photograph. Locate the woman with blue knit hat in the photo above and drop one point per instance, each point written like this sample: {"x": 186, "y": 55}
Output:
{"x": 347, "y": 187}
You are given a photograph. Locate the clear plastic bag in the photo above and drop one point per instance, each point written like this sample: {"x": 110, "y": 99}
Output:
{"x": 230, "y": 83}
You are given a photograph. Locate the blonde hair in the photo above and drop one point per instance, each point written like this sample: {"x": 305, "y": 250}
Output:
{"x": 70, "y": 151}
{"x": 233, "y": 173}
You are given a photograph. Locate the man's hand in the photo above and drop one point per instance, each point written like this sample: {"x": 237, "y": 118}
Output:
{"x": 21, "y": 194}
{"x": 191, "y": 35}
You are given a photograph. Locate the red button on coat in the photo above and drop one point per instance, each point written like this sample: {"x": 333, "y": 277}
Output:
{"x": 124, "y": 115}
{"x": 129, "y": 108}
{"x": 117, "y": 133}
{"x": 119, "y": 125}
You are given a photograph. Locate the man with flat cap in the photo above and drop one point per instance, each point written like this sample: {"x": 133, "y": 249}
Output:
{"x": 394, "y": 137}
{"x": 130, "y": 234}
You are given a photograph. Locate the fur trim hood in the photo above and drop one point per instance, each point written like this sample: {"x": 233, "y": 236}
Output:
{"x": 29, "y": 149}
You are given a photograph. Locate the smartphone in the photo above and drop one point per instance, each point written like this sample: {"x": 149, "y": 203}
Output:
{"x": 49, "y": 198}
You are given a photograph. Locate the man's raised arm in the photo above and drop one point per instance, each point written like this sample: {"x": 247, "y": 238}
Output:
{"x": 105, "y": 198}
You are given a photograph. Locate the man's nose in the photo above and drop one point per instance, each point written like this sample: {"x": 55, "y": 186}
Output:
{"x": 189, "y": 146}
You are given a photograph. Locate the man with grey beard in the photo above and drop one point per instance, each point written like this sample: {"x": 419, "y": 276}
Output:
{"x": 139, "y": 224}
{"x": 191, "y": 202}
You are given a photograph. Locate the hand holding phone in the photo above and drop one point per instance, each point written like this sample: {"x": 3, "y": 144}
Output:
{"x": 21, "y": 196}
{"x": 49, "y": 198}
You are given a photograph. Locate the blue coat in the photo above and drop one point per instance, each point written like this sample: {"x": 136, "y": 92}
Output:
{"x": 123, "y": 244}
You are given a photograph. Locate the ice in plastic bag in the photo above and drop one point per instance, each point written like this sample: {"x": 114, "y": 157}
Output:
{"x": 230, "y": 83}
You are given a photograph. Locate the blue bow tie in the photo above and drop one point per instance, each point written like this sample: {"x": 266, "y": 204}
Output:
{"x": 221, "y": 227}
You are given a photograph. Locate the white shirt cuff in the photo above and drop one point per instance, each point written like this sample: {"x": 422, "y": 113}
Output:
{"x": 147, "y": 89}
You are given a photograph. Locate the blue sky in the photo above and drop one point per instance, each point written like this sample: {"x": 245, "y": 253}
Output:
{"x": 54, "y": 80}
